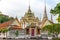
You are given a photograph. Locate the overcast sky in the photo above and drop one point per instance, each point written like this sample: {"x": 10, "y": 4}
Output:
{"x": 19, "y": 7}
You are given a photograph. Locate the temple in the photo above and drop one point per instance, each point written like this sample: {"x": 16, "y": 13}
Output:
{"x": 30, "y": 23}
{"x": 28, "y": 26}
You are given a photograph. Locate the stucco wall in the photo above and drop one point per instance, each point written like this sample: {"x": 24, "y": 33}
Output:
{"x": 21, "y": 33}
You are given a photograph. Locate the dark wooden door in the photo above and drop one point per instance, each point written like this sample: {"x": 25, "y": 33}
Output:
{"x": 32, "y": 32}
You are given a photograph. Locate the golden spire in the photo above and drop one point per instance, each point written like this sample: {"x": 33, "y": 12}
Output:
{"x": 29, "y": 10}
{"x": 45, "y": 13}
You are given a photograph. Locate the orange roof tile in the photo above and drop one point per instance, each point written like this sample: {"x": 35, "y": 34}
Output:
{"x": 5, "y": 24}
{"x": 16, "y": 27}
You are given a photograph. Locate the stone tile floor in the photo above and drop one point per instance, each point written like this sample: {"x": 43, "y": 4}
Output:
{"x": 21, "y": 39}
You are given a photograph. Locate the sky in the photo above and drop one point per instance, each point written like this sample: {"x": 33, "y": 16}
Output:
{"x": 19, "y": 7}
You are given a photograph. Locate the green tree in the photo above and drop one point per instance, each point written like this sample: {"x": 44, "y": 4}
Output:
{"x": 16, "y": 33}
{"x": 54, "y": 28}
{"x": 5, "y": 30}
{"x": 56, "y": 39}
{"x": 56, "y": 11}
{"x": 4, "y": 18}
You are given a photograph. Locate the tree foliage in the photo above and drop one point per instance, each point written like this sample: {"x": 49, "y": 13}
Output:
{"x": 4, "y": 18}
{"x": 54, "y": 28}
{"x": 4, "y": 30}
{"x": 16, "y": 33}
{"x": 56, "y": 39}
{"x": 56, "y": 11}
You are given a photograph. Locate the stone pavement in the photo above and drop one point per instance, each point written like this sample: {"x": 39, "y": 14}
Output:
{"x": 21, "y": 39}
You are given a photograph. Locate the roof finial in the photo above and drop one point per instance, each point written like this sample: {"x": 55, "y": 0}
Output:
{"x": 45, "y": 13}
{"x": 29, "y": 10}
{"x": 29, "y": 4}
{"x": 29, "y": 7}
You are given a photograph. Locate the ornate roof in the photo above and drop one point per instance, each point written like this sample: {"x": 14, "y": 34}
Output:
{"x": 9, "y": 23}
{"x": 29, "y": 16}
{"x": 6, "y": 24}
{"x": 29, "y": 13}
{"x": 43, "y": 22}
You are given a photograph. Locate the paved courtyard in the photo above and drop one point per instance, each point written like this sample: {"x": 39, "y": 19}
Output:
{"x": 21, "y": 39}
